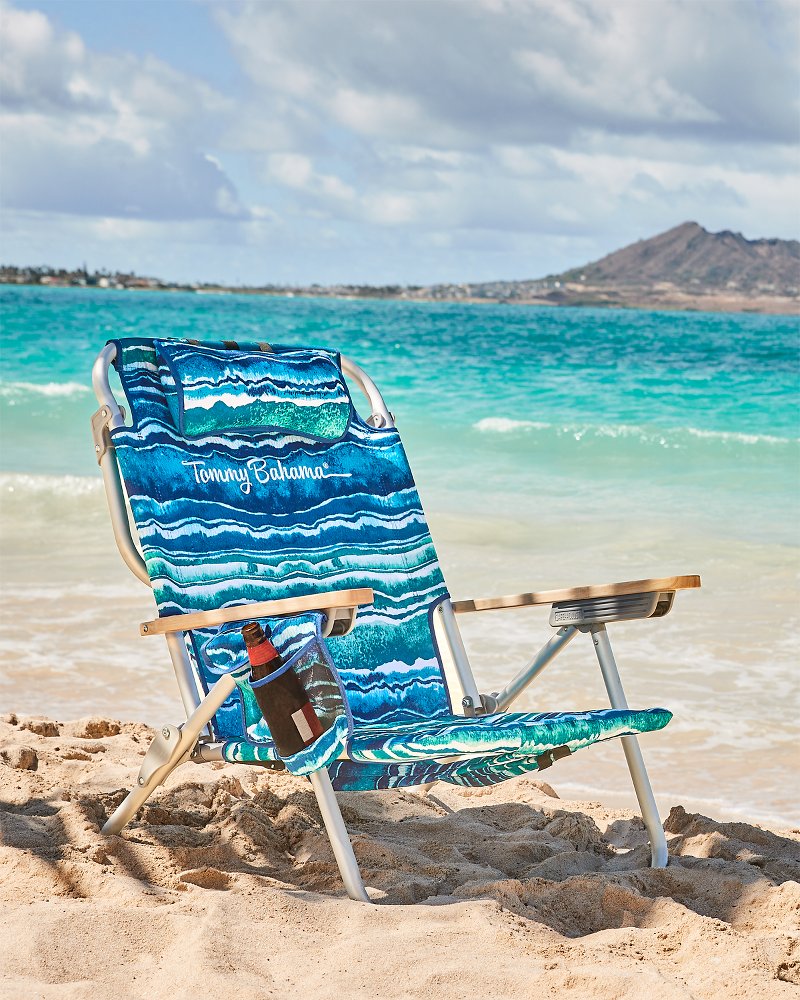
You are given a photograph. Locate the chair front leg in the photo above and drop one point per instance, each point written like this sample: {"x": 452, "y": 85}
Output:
{"x": 630, "y": 745}
{"x": 337, "y": 834}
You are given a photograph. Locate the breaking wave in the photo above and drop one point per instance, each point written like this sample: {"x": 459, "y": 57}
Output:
{"x": 674, "y": 437}
{"x": 18, "y": 389}
{"x": 15, "y": 485}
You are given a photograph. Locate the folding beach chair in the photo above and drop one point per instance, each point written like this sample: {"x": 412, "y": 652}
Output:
{"x": 258, "y": 493}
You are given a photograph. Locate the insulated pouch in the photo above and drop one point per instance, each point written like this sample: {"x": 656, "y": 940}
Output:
{"x": 308, "y": 661}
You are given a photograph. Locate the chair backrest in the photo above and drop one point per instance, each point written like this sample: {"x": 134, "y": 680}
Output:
{"x": 230, "y": 516}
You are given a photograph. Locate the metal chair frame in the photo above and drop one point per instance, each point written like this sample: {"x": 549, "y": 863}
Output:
{"x": 586, "y": 610}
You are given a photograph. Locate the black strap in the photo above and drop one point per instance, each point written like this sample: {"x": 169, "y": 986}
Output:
{"x": 549, "y": 757}
{"x": 232, "y": 345}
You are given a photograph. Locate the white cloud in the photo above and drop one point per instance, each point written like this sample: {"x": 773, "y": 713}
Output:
{"x": 95, "y": 135}
{"x": 564, "y": 116}
{"x": 35, "y": 61}
{"x": 373, "y": 114}
{"x": 291, "y": 169}
{"x": 297, "y": 171}
{"x": 392, "y": 208}
{"x": 394, "y": 138}
{"x": 641, "y": 98}
{"x": 471, "y": 75}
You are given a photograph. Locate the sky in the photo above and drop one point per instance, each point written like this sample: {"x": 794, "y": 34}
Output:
{"x": 389, "y": 141}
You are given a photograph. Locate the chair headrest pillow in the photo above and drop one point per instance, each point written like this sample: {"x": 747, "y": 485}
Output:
{"x": 210, "y": 391}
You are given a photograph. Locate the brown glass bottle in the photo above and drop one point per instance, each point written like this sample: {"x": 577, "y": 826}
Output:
{"x": 292, "y": 721}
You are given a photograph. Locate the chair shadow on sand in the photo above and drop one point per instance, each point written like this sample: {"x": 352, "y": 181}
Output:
{"x": 538, "y": 859}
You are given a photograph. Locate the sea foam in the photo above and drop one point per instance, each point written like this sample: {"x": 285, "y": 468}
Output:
{"x": 672, "y": 437}
{"x": 27, "y": 484}
{"x": 503, "y": 425}
{"x": 14, "y": 389}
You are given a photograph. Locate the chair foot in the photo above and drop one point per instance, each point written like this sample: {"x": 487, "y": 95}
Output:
{"x": 130, "y": 805}
{"x": 633, "y": 755}
{"x": 337, "y": 833}
{"x": 425, "y": 789}
{"x": 171, "y": 747}
{"x": 659, "y": 855}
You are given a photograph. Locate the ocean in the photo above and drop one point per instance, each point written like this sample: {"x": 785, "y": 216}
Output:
{"x": 552, "y": 447}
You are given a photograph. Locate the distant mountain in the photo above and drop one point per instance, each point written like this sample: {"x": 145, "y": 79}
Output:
{"x": 689, "y": 256}
{"x": 684, "y": 268}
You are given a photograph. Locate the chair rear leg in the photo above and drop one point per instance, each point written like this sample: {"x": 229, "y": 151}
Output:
{"x": 171, "y": 747}
{"x": 337, "y": 833}
{"x": 633, "y": 754}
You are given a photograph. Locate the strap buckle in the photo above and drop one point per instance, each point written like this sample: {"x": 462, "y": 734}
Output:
{"x": 102, "y": 421}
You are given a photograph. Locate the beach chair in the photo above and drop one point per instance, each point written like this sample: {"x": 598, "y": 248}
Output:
{"x": 258, "y": 493}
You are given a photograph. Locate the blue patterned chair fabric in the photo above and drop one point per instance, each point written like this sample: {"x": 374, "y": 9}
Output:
{"x": 282, "y": 504}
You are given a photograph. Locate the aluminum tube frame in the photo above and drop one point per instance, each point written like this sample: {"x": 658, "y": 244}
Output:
{"x": 659, "y": 855}
{"x": 337, "y": 834}
{"x": 115, "y": 495}
{"x": 466, "y": 679}
{"x": 190, "y": 732}
{"x": 120, "y": 522}
{"x": 208, "y": 753}
{"x": 102, "y": 386}
{"x": 179, "y": 654}
{"x": 380, "y": 417}
{"x": 502, "y": 699}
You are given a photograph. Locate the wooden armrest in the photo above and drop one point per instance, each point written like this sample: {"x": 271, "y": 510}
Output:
{"x": 263, "y": 609}
{"x": 665, "y": 584}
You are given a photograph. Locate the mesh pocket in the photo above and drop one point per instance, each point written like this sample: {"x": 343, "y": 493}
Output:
{"x": 315, "y": 671}
{"x": 300, "y": 641}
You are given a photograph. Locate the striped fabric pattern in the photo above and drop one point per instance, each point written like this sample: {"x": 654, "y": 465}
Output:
{"x": 489, "y": 748}
{"x": 227, "y": 519}
{"x": 210, "y": 391}
{"x": 503, "y": 733}
{"x": 231, "y": 517}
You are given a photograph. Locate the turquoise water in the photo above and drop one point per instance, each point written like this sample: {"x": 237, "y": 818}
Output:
{"x": 551, "y": 446}
{"x": 585, "y": 405}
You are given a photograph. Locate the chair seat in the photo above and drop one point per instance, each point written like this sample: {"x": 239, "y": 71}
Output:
{"x": 505, "y": 735}
{"x": 501, "y": 733}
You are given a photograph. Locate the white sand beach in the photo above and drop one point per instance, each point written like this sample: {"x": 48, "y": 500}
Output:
{"x": 510, "y": 891}
{"x": 454, "y": 302}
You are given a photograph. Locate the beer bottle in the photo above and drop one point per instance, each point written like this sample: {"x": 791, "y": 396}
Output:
{"x": 292, "y": 721}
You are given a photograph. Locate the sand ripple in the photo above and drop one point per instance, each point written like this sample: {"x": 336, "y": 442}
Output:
{"x": 226, "y": 882}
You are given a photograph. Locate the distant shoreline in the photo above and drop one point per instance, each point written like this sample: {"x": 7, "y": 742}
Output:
{"x": 685, "y": 269}
{"x": 663, "y": 300}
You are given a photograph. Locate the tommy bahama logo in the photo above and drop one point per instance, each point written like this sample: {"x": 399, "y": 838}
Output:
{"x": 262, "y": 472}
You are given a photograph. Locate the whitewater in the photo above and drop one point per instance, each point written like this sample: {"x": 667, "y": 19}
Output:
{"x": 552, "y": 447}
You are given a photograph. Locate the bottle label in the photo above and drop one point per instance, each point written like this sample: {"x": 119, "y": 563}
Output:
{"x": 262, "y": 653}
{"x": 307, "y": 723}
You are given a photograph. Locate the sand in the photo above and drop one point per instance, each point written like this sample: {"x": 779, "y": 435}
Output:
{"x": 225, "y": 885}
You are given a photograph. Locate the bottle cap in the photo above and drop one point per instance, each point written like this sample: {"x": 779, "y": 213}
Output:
{"x": 253, "y": 633}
